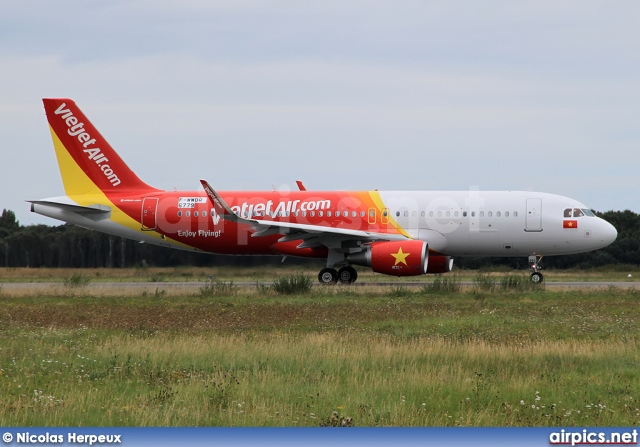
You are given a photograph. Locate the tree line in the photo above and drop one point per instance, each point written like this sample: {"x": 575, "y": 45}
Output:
{"x": 71, "y": 246}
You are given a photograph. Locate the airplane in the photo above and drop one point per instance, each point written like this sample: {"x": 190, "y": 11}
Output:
{"x": 397, "y": 233}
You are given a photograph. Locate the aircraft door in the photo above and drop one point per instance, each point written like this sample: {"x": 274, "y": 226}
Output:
{"x": 149, "y": 211}
{"x": 534, "y": 215}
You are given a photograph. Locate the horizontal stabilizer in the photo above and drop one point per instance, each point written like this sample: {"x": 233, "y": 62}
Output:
{"x": 63, "y": 208}
{"x": 82, "y": 210}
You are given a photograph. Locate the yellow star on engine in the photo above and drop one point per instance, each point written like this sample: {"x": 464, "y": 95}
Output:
{"x": 400, "y": 257}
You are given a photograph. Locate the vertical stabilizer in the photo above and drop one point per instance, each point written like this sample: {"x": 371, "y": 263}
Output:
{"x": 88, "y": 164}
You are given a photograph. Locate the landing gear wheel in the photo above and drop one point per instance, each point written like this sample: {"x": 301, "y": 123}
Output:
{"x": 347, "y": 275}
{"x": 328, "y": 276}
{"x": 537, "y": 278}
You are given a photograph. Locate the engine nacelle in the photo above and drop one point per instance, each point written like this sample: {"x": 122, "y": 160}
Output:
{"x": 440, "y": 264}
{"x": 406, "y": 258}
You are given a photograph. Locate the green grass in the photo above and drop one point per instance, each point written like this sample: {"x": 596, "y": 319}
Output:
{"x": 616, "y": 273}
{"x": 76, "y": 280}
{"x": 218, "y": 288}
{"x": 292, "y": 284}
{"x": 372, "y": 356}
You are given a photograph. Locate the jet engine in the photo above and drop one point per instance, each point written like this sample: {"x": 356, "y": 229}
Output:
{"x": 405, "y": 258}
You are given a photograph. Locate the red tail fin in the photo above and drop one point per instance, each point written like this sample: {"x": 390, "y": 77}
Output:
{"x": 73, "y": 134}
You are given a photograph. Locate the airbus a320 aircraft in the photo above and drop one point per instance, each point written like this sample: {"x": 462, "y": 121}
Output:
{"x": 399, "y": 233}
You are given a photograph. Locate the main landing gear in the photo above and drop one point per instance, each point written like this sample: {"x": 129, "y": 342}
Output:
{"x": 346, "y": 275}
{"x": 536, "y": 276}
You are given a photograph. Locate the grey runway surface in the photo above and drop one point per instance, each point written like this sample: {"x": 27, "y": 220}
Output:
{"x": 194, "y": 286}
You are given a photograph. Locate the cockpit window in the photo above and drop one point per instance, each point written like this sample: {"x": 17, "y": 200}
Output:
{"x": 578, "y": 212}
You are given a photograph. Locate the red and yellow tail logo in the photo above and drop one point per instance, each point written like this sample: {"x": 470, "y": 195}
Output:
{"x": 88, "y": 163}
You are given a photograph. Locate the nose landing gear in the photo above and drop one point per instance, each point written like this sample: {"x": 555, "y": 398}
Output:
{"x": 536, "y": 276}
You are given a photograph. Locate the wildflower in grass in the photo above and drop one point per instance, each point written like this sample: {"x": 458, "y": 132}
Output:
{"x": 522, "y": 402}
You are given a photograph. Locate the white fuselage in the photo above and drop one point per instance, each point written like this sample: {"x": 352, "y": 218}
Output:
{"x": 497, "y": 223}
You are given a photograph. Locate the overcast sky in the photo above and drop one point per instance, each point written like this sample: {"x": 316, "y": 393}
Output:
{"x": 415, "y": 95}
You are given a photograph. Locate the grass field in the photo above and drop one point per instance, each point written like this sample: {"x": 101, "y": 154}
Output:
{"x": 487, "y": 355}
{"x": 619, "y": 273}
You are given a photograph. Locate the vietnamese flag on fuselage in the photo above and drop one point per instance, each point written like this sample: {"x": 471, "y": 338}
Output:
{"x": 569, "y": 224}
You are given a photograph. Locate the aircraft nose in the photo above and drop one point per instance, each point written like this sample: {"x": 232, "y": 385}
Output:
{"x": 608, "y": 233}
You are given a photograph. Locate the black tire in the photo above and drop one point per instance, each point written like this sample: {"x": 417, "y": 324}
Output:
{"x": 347, "y": 275}
{"x": 537, "y": 278}
{"x": 328, "y": 276}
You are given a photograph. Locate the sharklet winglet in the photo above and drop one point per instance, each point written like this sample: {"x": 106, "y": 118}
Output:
{"x": 221, "y": 206}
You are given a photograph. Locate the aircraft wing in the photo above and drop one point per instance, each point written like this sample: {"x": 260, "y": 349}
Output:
{"x": 313, "y": 235}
